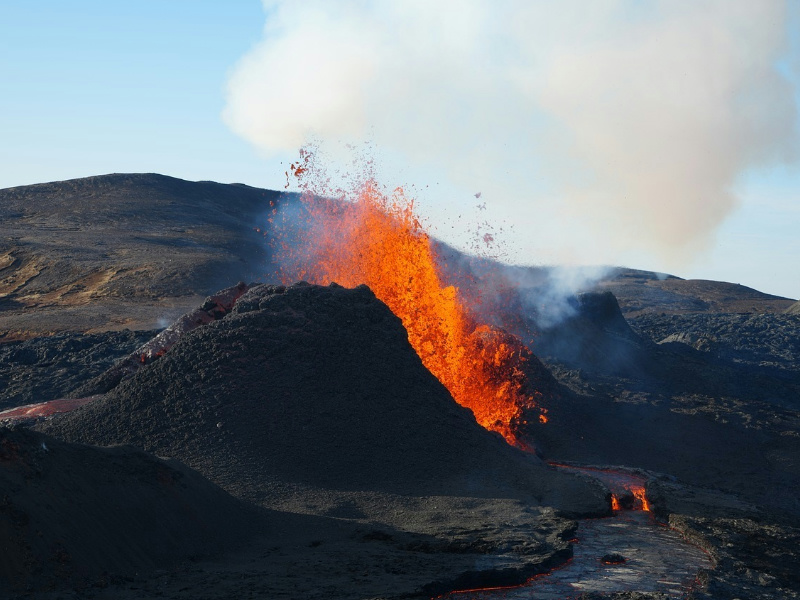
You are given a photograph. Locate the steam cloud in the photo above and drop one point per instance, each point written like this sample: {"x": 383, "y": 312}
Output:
{"x": 632, "y": 118}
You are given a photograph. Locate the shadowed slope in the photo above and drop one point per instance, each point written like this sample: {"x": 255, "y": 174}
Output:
{"x": 70, "y": 513}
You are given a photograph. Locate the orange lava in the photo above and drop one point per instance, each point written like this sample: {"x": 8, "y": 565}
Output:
{"x": 614, "y": 503}
{"x": 377, "y": 239}
{"x": 639, "y": 494}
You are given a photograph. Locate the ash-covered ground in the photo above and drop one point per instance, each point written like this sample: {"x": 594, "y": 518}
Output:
{"x": 305, "y": 414}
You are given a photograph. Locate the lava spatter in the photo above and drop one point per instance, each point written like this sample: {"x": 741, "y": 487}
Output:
{"x": 377, "y": 239}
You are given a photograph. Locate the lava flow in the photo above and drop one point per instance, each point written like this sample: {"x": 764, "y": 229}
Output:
{"x": 376, "y": 239}
{"x": 627, "y": 488}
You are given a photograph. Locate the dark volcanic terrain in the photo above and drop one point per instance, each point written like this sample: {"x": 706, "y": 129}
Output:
{"x": 310, "y": 399}
{"x": 707, "y": 401}
{"x": 314, "y": 386}
{"x": 46, "y": 368}
{"x": 77, "y": 515}
{"x": 642, "y": 292}
{"x": 358, "y": 474}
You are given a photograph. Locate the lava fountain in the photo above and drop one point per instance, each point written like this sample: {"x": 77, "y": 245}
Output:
{"x": 374, "y": 238}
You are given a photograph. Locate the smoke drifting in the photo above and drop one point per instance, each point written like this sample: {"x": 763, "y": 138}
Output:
{"x": 630, "y": 119}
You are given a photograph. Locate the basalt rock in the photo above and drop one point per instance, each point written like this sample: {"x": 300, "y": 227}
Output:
{"x": 613, "y": 559}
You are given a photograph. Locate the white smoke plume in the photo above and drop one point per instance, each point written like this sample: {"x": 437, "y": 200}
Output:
{"x": 625, "y": 120}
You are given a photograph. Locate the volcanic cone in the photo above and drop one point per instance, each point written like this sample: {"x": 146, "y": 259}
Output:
{"x": 316, "y": 387}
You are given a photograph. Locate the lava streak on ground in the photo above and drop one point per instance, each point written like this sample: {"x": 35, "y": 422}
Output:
{"x": 43, "y": 409}
{"x": 627, "y": 489}
{"x": 376, "y": 239}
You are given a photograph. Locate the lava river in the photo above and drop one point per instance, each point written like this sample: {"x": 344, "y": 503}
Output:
{"x": 656, "y": 559}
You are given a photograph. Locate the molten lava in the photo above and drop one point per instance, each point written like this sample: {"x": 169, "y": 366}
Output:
{"x": 638, "y": 493}
{"x": 376, "y": 239}
{"x": 627, "y": 489}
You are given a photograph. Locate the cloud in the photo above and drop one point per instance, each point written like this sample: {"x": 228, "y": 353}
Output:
{"x": 627, "y": 122}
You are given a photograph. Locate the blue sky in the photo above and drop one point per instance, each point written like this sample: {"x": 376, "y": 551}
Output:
{"x": 96, "y": 87}
{"x": 99, "y": 87}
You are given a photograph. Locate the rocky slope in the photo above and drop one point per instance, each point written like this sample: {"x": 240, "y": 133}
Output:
{"x": 644, "y": 292}
{"x": 309, "y": 400}
{"x": 45, "y": 368}
{"x": 117, "y": 251}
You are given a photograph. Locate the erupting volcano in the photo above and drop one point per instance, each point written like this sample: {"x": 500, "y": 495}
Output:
{"x": 377, "y": 239}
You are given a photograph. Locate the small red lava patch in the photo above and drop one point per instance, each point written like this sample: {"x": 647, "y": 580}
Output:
{"x": 613, "y": 559}
{"x": 44, "y": 409}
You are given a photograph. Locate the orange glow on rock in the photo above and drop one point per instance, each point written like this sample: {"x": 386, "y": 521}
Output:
{"x": 376, "y": 239}
{"x": 614, "y": 502}
{"x": 639, "y": 494}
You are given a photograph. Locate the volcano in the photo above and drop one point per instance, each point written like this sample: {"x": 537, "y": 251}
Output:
{"x": 314, "y": 401}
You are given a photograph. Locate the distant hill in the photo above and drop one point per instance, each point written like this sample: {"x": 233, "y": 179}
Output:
{"x": 640, "y": 292}
{"x": 121, "y": 250}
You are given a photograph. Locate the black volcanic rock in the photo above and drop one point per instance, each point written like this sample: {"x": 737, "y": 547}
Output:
{"x": 75, "y": 515}
{"x": 314, "y": 386}
{"x": 745, "y": 340}
{"x": 46, "y": 368}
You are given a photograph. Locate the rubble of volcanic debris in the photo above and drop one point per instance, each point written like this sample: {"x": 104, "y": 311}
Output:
{"x": 765, "y": 340}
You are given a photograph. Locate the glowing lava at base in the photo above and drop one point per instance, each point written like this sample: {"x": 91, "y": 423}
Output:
{"x": 639, "y": 494}
{"x": 376, "y": 239}
{"x": 627, "y": 488}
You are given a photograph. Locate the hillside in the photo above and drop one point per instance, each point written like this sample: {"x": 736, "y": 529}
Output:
{"x": 117, "y": 251}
